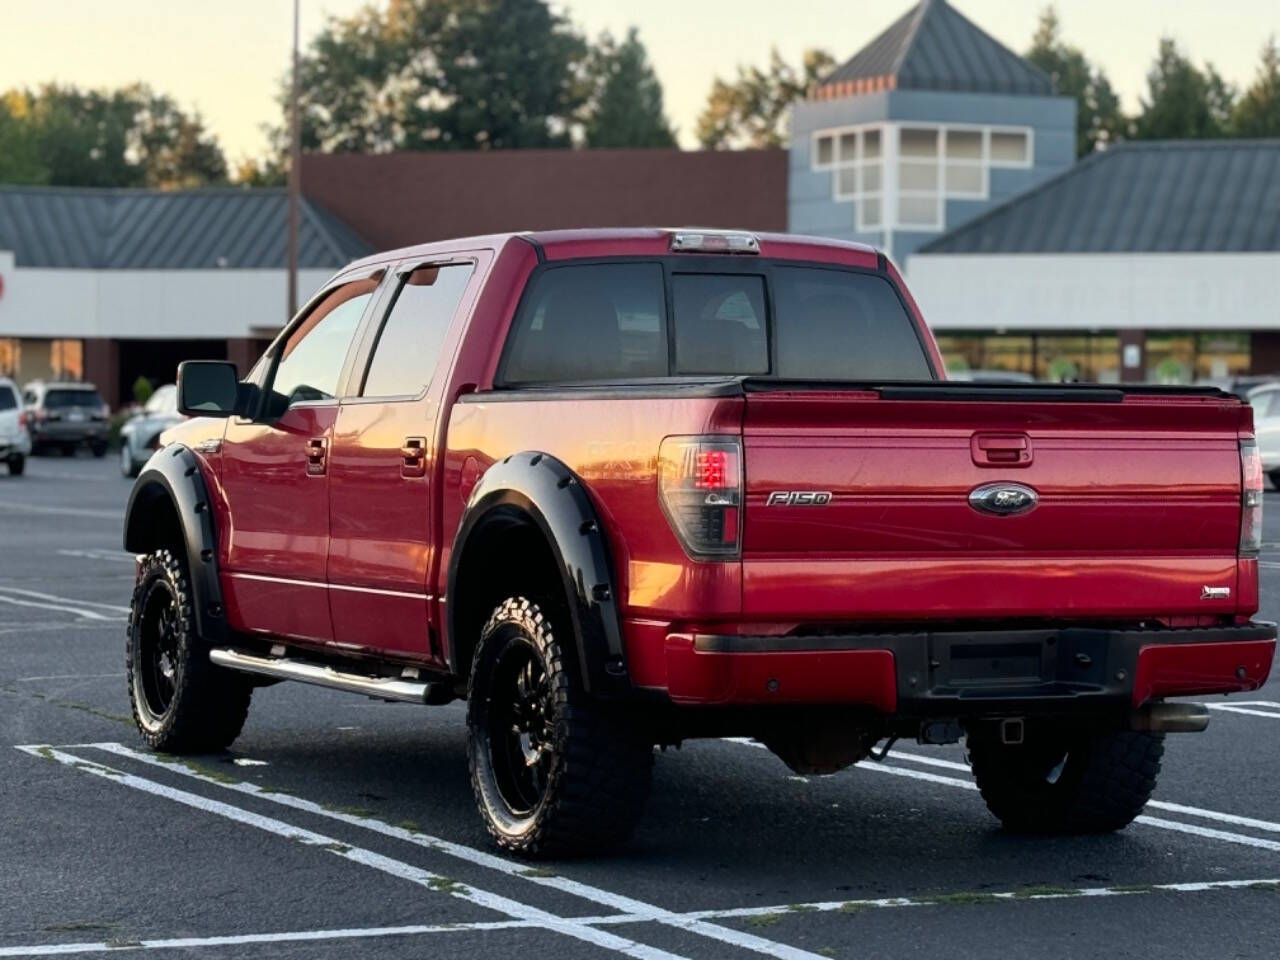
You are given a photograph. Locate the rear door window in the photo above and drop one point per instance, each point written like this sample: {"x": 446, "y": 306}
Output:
{"x": 7, "y": 399}
{"x": 838, "y": 325}
{"x": 409, "y": 343}
{"x": 720, "y": 324}
{"x": 590, "y": 322}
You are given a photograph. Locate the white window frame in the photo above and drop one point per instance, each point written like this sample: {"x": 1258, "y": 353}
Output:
{"x": 891, "y": 159}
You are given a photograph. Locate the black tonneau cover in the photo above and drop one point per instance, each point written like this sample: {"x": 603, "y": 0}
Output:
{"x": 986, "y": 392}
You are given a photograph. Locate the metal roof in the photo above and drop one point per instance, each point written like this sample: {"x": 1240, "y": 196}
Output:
{"x": 73, "y": 227}
{"x": 935, "y": 47}
{"x": 1172, "y": 196}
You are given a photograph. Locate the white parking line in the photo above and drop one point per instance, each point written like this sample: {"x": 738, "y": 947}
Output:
{"x": 72, "y": 601}
{"x": 376, "y": 861}
{"x": 63, "y": 511}
{"x": 61, "y": 608}
{"x": 1232, "y": 818}
{"x": 934, "y": 900}
{"x": 235, "y": 940}
{"x": 1149, "y": 821}
{"x": 115, "y": 556}
{"x": 71, "y": 676}
{"x": 638, "y": 908}
{"x": 1271, "y": 709}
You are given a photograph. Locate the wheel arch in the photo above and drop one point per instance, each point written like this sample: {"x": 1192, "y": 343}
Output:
{"x": 533, "y": 502}
{"x": 170, "y": 506}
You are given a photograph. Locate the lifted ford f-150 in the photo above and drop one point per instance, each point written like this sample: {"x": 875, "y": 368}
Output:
{"x": 620, "y": 488}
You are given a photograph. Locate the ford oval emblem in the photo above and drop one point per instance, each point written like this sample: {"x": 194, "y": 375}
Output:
{"x": 1003, "y": 499}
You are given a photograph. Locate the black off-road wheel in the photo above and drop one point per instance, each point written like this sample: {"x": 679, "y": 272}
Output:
{"x": 1063, "y": 782}
{"x": 555, "y": 773}
{"x": 182, "y": 703}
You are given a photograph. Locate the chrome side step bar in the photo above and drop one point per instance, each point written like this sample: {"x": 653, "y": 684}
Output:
{"x": 282, "y": 668}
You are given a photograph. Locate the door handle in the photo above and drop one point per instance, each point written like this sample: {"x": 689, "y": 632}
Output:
{"x": 413, "y": 457}
{"x": 317, "y": 454}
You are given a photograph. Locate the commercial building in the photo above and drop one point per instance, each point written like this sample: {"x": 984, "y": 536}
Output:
{"x": 936, "y": 143}
{"x": 110, "y": 285}
{"x": 1149, "y": 261}
{"x": 928, "y": 126}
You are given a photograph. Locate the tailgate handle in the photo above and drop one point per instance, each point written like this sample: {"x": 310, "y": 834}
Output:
{"x": 1001, "y": 450}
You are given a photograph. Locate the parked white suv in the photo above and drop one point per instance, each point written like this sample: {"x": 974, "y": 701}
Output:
{"x": 15, "y": 441}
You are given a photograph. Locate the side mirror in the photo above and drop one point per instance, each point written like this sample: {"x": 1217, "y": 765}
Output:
{"x": 208, "y": 388}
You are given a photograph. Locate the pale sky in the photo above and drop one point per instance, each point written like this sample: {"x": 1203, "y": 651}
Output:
{"x": 226, "y": 58}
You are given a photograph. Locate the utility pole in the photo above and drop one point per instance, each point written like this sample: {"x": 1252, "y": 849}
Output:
{"x": 295, "y": 171}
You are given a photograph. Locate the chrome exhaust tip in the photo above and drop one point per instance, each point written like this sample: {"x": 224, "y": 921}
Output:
{"x": 1170, "y": 718}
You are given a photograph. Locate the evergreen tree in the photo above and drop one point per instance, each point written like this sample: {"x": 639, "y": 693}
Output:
{"x": 1257, "y": 114}
{"x": 1183, "y": 102}
{"x": 627, "y": 109}
{"x": 1098, "y": 116}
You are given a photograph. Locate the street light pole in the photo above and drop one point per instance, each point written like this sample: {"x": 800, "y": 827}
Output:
{"x": 295, "y": 171}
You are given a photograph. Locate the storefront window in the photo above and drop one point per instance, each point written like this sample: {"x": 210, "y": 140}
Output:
{"x": 10, "y": 357}
{"x": 66, "y": 357}
{"x": 1221, "y": 356}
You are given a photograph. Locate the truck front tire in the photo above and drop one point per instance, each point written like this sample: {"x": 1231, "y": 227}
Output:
{"x": 554, "y": 772}
{"x": 1063, "y": 782}
{"x": 182, "y": 703}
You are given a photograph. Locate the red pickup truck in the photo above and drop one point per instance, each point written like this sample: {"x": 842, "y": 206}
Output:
{"x": 621, "y": 488}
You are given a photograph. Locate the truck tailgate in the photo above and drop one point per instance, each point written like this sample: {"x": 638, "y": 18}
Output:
{"x": 1106, "y": 503}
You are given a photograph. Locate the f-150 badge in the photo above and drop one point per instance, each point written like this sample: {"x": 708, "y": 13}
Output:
{"x": 798, "y": 498}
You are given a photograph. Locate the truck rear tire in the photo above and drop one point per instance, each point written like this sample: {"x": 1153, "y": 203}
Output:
{"x": 1062, "y": 782}
{"x": 182, "y": 703}
{"x": 17, "y": 464}
{"x": 554, "y": 772}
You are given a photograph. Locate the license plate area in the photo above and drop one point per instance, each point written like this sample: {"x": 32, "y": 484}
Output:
{"x": 986, "y": 664}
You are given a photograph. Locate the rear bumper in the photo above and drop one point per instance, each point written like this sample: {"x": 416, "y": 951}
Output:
{"x": 70, "y": 432}
{"x": 971, "y": 673}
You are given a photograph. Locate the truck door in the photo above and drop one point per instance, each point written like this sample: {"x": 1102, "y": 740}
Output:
{"x": 383, "y": 466}
{"x": 275, "y": 476}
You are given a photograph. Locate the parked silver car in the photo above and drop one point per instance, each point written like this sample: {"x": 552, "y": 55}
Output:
{"x": 1265, "y": 401}
{"x": 65, "y": 415}
{"x": 15, "y": 442}
{"x": 140, "y": 435}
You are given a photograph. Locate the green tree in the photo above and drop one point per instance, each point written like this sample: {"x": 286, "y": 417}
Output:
{"x": 173, "y": 147}
{"x": 1098, "y": 116}
{"x": 441, "y": 74}
{"x": 130, "y": 137}
{"x": 1183, "y": 102}
{"x": 1257, "y": 113}
{"x": 626, "y": 110}
{"x": 19, "y": 153}
{"x": 752, "y": 110}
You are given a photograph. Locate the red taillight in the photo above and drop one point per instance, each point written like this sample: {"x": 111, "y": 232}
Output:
{"x": 1250, "y": 498}
{"x": 700, "y": 487}
{"x": 22, "y": 419}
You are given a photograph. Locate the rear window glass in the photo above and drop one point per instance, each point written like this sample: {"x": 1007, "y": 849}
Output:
{"x": 60, "y": 399}
{"x": 413, "y": 334}
{"x": 7, "y": 399}
{"x": 833, "y": 325}
{"x": 720, "y": 324}
{"x": 591, "y": 322}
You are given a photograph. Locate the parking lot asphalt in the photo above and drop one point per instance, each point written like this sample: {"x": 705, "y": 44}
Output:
{"x": 339, "y": 826}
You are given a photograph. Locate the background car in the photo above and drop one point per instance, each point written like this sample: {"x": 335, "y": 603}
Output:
{"x": 15, "y": 443}
{"x": 140, "y": 435}
{"x": 1265, "y": 401}
{"x": 65, "y": 415}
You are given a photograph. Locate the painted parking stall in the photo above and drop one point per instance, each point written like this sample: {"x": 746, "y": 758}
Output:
{"x": 367, "y": 805}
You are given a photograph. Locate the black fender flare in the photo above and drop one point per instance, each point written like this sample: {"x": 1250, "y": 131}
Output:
{"x": 173, "y": 475}
{"x": 547, "y": 491}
